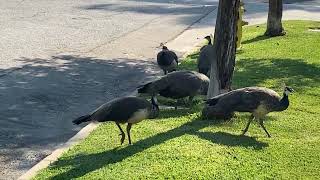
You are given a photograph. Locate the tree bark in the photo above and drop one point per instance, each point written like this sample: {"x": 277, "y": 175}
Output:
{"x": 223, "y": 60}
{"x": 274, "y": 25}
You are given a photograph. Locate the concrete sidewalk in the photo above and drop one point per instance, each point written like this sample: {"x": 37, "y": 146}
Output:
{"x": 257, "y": 13}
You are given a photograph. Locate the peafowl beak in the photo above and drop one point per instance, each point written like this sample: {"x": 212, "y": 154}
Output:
{"x": 290, "y": 89}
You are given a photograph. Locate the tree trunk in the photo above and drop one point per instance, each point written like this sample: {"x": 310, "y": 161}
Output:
{"x": 223, "y": 60}
{"x": 274, "y": 25}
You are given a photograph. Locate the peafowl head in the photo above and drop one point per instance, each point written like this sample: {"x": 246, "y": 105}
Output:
{"x": 208, "y": 38}
{"x": 163, "y": 46}
{"x": 287, "y": 90}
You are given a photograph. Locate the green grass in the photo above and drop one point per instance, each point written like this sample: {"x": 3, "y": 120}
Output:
{"x": 180, "y": 145}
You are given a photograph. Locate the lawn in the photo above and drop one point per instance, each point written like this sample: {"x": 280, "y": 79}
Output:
{"x": 181, "y": 145}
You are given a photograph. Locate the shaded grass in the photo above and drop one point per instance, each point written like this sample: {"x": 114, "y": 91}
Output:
{"x": 181, "y": 145}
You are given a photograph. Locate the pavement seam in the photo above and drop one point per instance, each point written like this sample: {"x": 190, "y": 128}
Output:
{"x": 123, "y": 35}
{"x": 151, "y": 21}
{"x": 192, "y": 24}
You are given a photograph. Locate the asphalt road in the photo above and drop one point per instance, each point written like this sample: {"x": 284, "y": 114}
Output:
{"x": 60, "y": 59}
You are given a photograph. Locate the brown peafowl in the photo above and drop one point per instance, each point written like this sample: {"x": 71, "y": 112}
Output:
{"x": 256, "y": 100}
{"x": 167, "y": 60}
{"x": 129, "y": 110}
{"x": 176, "y": 85}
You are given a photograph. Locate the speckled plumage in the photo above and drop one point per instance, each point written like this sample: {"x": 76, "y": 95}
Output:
{"x": 129, "y": 110}
{"x": 257, "y": 100}
{"x": 248, "y": 99}
{"x": 120, "y": 109}
{"x": 177, "y": 85}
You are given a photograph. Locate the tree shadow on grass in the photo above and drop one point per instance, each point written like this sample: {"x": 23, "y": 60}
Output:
{"x": 223, "y": 138}
{"x": 172, "y": 113}
{"x": 255, "y": 39}
{"x": 294, "y": 72}
{"x": 193, "y": 56}
{"x": 83, "y": 164}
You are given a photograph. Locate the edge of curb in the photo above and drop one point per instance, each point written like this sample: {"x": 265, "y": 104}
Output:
{"x": 76, "y": 139}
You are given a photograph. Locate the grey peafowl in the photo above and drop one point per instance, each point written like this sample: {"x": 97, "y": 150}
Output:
{"x": 129, "y": 110}
{"x": 256, "y": 100}
{"x": 167, "y": 60}
{"x": 205, "y": 57}
{"x": 178, "y": 85}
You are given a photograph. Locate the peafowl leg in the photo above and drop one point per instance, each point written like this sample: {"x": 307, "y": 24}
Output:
{"x": 122, "y": 133}
{"x": 248, "y": 124}
{"x": 264, "y": 128}
{"x": 177, "y": 103}
{"x": 128, "y": 131}
{"x": 165, "y": 72}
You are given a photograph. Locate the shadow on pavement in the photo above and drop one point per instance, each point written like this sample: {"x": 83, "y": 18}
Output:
{"x": 40, "y": 100}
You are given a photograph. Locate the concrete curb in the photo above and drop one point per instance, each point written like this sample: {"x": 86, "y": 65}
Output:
{"x": 76, "y": 139}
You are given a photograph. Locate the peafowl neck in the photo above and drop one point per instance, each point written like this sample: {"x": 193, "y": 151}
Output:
{"x": 284, "y": 102}
{"x": 209, "y": 41}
